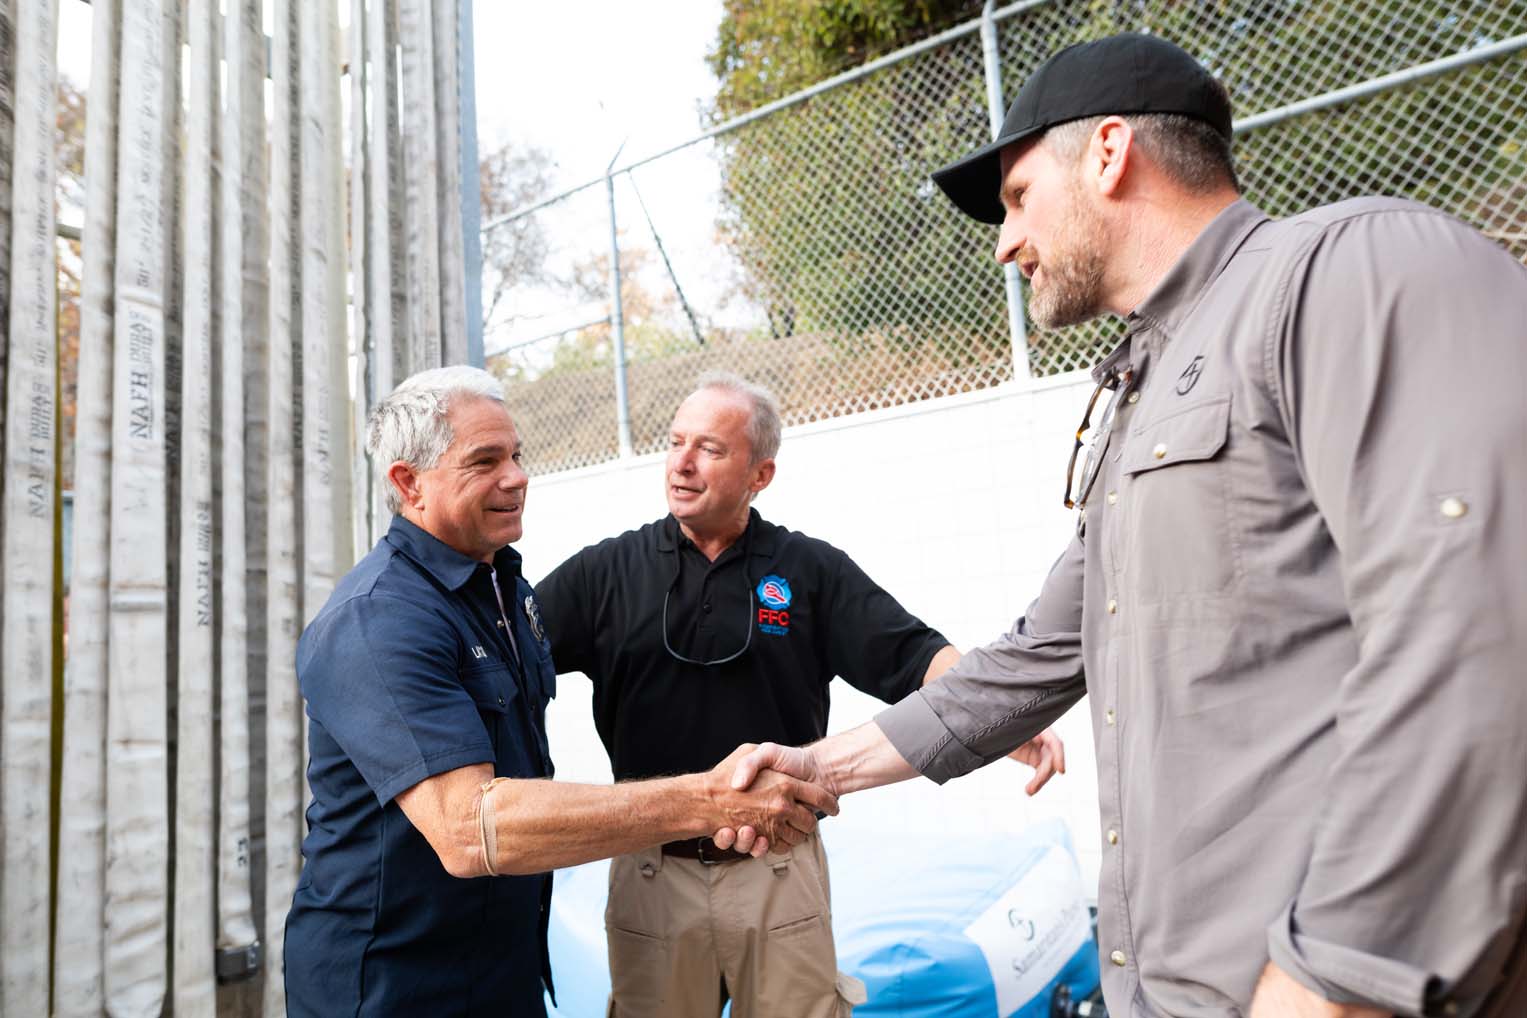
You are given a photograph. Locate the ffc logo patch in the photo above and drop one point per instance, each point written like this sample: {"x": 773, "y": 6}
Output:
{"x": 773, "y": 613}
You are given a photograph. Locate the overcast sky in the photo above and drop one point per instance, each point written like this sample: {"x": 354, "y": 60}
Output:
{"x": 575, "y": 78}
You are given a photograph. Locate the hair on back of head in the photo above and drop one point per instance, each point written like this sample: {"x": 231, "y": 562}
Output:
{"x": 410, "y": 424}
{"x": 1188, "y": 150}
{"x": 763, "y": 410}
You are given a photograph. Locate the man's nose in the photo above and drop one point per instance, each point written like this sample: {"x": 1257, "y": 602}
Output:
{"x": 1009, "y": 239}
{"x": 681, "y": 460}
{"x": 514, "y": 477}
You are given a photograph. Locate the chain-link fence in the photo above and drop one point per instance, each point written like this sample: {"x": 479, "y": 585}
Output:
{"x": 805, "y": 246}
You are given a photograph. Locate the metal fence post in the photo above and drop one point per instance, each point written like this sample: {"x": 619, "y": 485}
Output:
{"x": 617, "y": 318}
{"x": 471, "y": 183}
{"x": 995, "y": 108}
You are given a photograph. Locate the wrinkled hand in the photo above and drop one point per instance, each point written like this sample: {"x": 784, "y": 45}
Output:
{"x": 1046, "y": 753}
{"x": 771, "y": 806}
{"x": 760, "y": 761}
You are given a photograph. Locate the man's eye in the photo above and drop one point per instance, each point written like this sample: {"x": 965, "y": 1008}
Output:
{"x": 518, "y": 456}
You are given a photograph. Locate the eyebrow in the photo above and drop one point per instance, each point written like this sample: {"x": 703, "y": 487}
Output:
{"x": 489, "y": 447}
{"x": 698, "y": 436}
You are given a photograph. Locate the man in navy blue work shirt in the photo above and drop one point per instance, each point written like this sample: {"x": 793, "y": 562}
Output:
{"x": 427, "y": 676}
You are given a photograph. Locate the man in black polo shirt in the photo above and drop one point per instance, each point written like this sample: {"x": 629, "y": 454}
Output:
{"x": 706, "y": 629}
{"x": 427, "y": 676}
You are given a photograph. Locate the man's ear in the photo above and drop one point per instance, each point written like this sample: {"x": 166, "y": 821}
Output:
{"x": 762, "y": 475}
{"x": 1108, "y": 155}
{"x": 402, "y": 477}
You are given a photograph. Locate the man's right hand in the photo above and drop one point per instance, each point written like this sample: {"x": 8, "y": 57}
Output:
{"x": 779, "y": 807}
{"x": 750, "y": 763}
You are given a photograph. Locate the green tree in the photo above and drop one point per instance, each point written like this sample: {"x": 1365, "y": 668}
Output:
{"x": 828, "y": 204}
{"x": 767, "y": 49}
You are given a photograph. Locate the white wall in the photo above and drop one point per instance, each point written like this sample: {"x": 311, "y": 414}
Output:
{"x": 953, "y": 505}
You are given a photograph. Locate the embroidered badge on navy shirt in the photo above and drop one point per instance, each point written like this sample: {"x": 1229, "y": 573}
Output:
{"x": 533, "y": 616}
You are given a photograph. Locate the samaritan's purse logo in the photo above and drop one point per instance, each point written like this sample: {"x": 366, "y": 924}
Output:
{"x": 773, "y": 615}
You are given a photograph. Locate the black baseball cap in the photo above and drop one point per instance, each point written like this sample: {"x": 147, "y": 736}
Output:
{"x": 1126, "y": 73}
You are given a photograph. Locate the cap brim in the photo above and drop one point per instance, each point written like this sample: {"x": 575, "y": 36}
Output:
{"x": 974, "y": 183}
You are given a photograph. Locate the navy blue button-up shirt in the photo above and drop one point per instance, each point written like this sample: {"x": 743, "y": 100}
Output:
{"x": 409, "y": 672}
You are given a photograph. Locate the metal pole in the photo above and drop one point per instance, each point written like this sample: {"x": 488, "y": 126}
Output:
{"x": 471, "y": 186}
{"x": 617, "y": 318}
{"x": 1016, "y": 330}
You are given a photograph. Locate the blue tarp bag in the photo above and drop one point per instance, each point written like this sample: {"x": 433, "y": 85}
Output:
{"x": 964, "y": 926}
{"x": 947, "y": 925}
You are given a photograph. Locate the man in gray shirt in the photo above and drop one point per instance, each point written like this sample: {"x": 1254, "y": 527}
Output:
{"x": 1297, "y": 594}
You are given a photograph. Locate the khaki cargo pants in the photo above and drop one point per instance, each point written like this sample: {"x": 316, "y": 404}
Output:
{"x": 684, "y": 937}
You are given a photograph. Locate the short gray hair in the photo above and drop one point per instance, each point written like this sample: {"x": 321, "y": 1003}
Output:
{"x": 410, "y": 424}
{"x": 763, "y": 410}
{"x": 1187, "y": 149}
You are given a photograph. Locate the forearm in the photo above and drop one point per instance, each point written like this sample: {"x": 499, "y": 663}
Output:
{"x": 545, "y": 825}
{"x": 859, "y": 758}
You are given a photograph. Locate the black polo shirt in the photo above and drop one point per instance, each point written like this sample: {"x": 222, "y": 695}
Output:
{"x": 802, "y": 609}
{"x": 408, "y": 673}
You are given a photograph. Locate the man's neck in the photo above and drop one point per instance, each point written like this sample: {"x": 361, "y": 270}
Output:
{"x": 1158, "y": 240}
{"x": 712, "y": 542}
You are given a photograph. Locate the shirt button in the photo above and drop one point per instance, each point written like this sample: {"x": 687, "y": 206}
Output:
{"x": 1113, "y": 498}
{"x": 501, "y": 701}
{"x": 1117, "y": 958}
{"x": 1108, "y": 715}
{"x": 1159, "y": 451}
{"x": 1113, "y": 836}
{"x": 1113, "y": 606}
{"x": 1133, "y": 397}
{"x": 1454, "y": 508}
{"x": 499, "y": 623}
{"x": 705, "y": 607}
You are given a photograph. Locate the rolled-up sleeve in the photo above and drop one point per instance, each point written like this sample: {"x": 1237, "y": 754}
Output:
{"x": 1003, "y": 694}
{"x": 1401, "y": 369}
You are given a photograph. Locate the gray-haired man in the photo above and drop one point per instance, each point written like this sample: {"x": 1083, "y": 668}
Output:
{"x": 1297, "y": 591}
{"x": 710, "y": 627}
{"x": 427, "y": 676}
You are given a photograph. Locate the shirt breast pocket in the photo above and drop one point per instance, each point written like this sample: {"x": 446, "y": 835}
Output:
{"x": 491, "y": 688}
{"x": 1177, "y": 539}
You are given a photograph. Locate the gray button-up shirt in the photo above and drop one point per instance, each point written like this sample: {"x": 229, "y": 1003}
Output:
{"x": 1299, "y": 606}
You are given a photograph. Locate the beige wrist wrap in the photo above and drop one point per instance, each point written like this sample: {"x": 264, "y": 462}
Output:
{"x": 487, "y": 830}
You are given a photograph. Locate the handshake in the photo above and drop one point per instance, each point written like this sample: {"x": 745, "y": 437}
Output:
{"x": 766, "y": 794}
{"x": 771, "y": 794}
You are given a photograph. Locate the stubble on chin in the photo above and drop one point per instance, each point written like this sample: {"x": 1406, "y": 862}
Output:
{"x": 1073, "y": 271}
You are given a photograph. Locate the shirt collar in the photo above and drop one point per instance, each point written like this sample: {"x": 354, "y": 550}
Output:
{"x": 1178, "y": 292}
{"x": 448, "y": 566}
{"x": 758, "y": 536}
